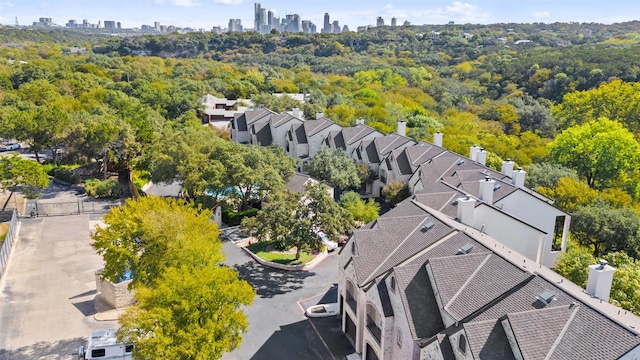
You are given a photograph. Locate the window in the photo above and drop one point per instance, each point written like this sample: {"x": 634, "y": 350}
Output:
{"x": 393, "y": 283}
{"x": 399, "y": 338}
{"x": 462, "y": 344}
{"x": 128, "y": 348}
{"x": 353, "y": 248}
{"x": 558, "y": 230}
{"x": 98, "y": 353}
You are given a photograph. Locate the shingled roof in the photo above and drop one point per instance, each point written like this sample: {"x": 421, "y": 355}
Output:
{"x": 482, "y": 289}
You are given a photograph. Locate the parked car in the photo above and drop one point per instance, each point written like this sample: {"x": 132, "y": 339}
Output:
{"x": 322, "y": 310}
{"x": 329, "y": 244}
{"x": 10, "y": 146}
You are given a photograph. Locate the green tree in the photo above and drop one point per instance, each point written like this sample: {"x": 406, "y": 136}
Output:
{"x": 603, "y": 229}
{"x": 192, "y": 312}
{"x": 289, "y": 219}
{"x": 395, "y": 191}
{"x": 600, "y": 151}
{"x": 21, "y": 174}
{"x": 570, "y": 193}
{"x": 573, "y": 264}
{"x": 360, "y": 210}
{"x": 148, "y": 235}
{"x": 547, "y": 175}
{"x": 334, "y": 167}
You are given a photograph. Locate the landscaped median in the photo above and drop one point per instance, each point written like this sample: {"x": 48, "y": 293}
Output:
{"x": 264, "y": 253}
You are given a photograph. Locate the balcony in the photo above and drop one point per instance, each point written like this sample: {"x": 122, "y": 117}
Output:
{"x": 374, "y": 329}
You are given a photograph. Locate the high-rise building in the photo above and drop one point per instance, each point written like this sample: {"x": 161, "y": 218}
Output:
{"x": 327, "y": 24}
{"x": 345, "y": 29}
{"x": 394, "y": 21}
{"x": 71, "y": 24}
{"x": 118, "y": 25}
{"x": 109, "y": 24}
{"x": 156, "y": 25}
{"x": 406, "y": 23}
{"x": 257, "y": 14}
{"x": 379, "y": 21}
{"x": 336, "y": 27}
{"x": 235, "y": 25}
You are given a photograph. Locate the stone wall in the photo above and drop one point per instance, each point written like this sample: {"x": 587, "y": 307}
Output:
{"x": 116, "y": 295}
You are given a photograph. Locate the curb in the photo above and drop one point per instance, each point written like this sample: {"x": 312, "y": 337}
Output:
{"x": 303, "y": 267}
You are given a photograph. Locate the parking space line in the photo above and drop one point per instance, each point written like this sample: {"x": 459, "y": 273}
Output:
{"x": 311, "y": 322}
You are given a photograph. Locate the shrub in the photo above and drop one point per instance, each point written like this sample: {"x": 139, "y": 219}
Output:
{"x": 233, "y": 218}
{"x": 103, "y": 189}
{"x": 63, "y": 173}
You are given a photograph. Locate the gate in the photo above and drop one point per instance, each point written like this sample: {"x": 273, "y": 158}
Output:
{"x": 40, "y": 208}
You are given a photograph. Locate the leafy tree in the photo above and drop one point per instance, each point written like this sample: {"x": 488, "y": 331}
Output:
{"x": 573, "y": 264}
{"x": 547, "y": 175}
{"x": 395, "y": 191}
{"x": 616, "y": 100}
{"x": 192, "y": 312}
{"x": 360, "y": 210}
{"x": 334, "y": 167}
{"x": 148, "y": 235}
{"x": 28, "y": 176}
{"x": 289, "y": 219}
{"x": 603, "y": 229}
{"x": 570, "y": 194}
{"x": 600, "y": 151}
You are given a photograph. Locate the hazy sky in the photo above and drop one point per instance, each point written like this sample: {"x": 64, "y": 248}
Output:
{"x": 208, "y": 13}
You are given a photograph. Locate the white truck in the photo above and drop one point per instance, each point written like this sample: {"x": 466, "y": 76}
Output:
{"x": 103, "y": 344}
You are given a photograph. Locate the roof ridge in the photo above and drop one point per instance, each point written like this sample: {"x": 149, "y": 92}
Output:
{"x": 464, "y": 285}
{"x": 391, "y": 253}
{"x": 562, "y": 332}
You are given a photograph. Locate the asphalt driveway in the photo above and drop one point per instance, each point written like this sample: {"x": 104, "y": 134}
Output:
{"x": 278, "y": 328}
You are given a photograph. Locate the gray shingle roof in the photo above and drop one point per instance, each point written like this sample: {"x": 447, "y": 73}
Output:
{"x": 537, "y": 330}
{"x": 386, "y": 144}
{"x": 297, "y": 183}
{"x": 488, "y": 340}
{"x": 338, "y": 141}
{"x": 357, "y": 133}
{"x": 383, "y": 292}
{"x": 403, "y": 164}
{"x": 313, "y": 127}
{"x": 283, "y": 118}
{"x": 415, "y": 287}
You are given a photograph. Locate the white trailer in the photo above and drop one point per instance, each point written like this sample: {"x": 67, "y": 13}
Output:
{"x": 103, "y": 344}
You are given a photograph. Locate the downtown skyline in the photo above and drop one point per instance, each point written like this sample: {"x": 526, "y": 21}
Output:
{"x": 206, "y": 14}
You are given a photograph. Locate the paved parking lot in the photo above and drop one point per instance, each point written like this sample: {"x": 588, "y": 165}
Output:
{"x": 46, "y": 295}
{"x": 278, "y": 328}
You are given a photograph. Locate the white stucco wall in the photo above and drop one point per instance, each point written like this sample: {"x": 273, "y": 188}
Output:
{"x": 520, "y": 237}
{"x": 539, "y": 214}
{"x": 431, "y": 352}
{"x": 279, "y": 134}
{"x": 512, "y": 339}
{"x": 316, "y": 142}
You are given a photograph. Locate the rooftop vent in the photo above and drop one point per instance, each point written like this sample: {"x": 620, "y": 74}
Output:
{"x": 460, "y": 162}
{"x": 465, "y": 249}
{"x": 455, "y": 203}
{"x": 497, "y": 187}
{"x": 546, "y": 297}
{"x": 428, "y": 226}
{"x": 602, "y": 263}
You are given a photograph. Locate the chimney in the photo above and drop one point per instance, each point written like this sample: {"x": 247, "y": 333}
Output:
{"x": 600, "y": 279}
{"x": 507, "y": 167}
{"x": 319, "y": 115}
{"x": 486, "y": 190}
{"x": 473, "y": 151}
{"x": 437, "y": 139}
{"x": 295, "y": 112}
{"x": 402, "y": 128}
{"x": 360, "y": 121}
{"x": 466, "y": 206}
{"x": 517, "y": 178}
{"x": 481, "y": 156}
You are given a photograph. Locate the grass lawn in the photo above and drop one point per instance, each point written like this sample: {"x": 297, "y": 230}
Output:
{"x": 265, "y": 251}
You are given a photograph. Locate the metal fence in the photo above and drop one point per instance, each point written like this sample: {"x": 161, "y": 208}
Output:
{"x": 38, "y": 208}
{"x": 8, "y": 242}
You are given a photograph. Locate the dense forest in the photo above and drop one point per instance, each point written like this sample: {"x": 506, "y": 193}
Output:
{"x": 560, "y": 99}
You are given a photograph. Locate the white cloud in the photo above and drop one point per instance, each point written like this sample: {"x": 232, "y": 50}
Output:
{"x": 228, "y": 2}
{"x": 184, "y": 3}
{"x": 541, "y": 15}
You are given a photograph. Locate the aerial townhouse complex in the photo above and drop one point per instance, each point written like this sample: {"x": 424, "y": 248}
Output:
{"x": 460, "y": 269}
